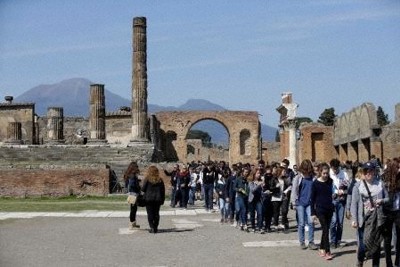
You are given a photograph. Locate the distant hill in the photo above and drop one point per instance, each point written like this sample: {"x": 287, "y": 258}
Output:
{"x": 73, "y": 96}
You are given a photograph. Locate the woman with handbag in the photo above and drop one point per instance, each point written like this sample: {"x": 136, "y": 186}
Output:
{"x": 154, "y": 195}
{"x": 132, "y": 183}
{"x": 368, "y": 196}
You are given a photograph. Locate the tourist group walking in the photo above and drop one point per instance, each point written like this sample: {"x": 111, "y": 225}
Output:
{"x": 257, "y": 198}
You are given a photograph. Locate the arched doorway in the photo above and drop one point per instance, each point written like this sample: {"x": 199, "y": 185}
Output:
{"x": 235, "y": 123}
{"x": 207, "y": 140}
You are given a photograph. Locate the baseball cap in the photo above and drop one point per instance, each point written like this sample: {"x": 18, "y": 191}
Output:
{"x": 368, "y": 166}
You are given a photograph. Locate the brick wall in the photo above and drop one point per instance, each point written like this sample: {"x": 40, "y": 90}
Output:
{"x": 55, "y": 182}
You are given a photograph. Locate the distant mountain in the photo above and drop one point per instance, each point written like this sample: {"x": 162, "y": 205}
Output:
{"x": 73, "y": 96}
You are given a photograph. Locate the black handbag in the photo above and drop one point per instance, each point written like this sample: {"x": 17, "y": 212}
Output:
{"x": 141, "y": 200}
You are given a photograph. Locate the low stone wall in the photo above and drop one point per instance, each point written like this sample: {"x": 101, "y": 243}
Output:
{"x": 76, "y": 169}
{"x": 63, "y": 181}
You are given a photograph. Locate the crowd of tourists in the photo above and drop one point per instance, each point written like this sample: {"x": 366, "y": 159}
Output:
{"x": 256, "y": 198}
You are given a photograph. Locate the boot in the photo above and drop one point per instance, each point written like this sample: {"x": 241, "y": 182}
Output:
{"x": 133, "y": 225}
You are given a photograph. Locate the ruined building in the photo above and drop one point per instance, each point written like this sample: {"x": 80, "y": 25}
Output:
{"x": 55, "y": 155}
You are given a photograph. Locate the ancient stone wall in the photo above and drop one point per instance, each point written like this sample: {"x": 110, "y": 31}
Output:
{"x": 118, "y": 128}
{"x": 23, "y": 113}
{"x": 271, "y": 152}
{"x": 37, "y": 157}
{"x": 315, "y": 143}
{"x": 391, "y": 137}
{"x": 356, "y": 124}
{"x": 197, "y": 152}
{"x": 62, "y": 181}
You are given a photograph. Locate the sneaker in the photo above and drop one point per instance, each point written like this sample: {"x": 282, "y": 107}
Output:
{"x": 262, "y": 231}
{"x": 312, "y": 246}
{"x": 303, "y": 246}
{"x": 328, "y": 256}
{"x": 342, "y": 244}
{"x": 333, "y": 245}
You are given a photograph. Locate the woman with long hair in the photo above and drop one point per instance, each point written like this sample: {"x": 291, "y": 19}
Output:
{"x": 391, "y": 177}
{"x": 322, "y": 207}
{"x": 303, "y": 204}
{"x": 132, "y": 183}
{"x": 154, "y": 194}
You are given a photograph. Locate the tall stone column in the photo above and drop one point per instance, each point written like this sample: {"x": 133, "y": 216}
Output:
{"x": 14, "y": 133}
{"x": 97, "y": 116}
{"x": 55, "y": 125}
{"x": 36, "y": 138}
{"x": 287, "y": 111}
{"x": 291, "y": 126}
{"x": 139, "y": 81}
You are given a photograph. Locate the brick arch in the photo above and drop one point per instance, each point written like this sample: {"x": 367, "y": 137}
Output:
{"x": 211, "y": 119}
{"x": 180, "y": 122}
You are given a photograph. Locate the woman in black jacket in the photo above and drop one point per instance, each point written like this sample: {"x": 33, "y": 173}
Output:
{"x": 132, "y": 183}
{"x": 154, "y": 194}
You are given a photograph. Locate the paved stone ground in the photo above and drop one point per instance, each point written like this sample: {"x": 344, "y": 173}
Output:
{"x": 187, "y": 238}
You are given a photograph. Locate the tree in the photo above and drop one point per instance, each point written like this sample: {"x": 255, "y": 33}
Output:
{"x": 327, "y": 117}
{"x": 197, "y": 134}
{"x": 300, "y": 120}
{"x": 383, "y": 118}
{"x": 277, "y": 136}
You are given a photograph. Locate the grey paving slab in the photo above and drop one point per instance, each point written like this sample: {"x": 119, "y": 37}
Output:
{"x": 183, "y": 240}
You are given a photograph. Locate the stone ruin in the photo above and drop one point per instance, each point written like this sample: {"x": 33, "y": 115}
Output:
{"x": 57, "y": 155}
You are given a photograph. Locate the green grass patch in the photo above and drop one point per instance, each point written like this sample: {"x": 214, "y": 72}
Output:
{"x": 65, "y": 204}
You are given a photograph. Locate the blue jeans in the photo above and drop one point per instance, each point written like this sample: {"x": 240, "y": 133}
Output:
{"x": 304, "y": 217}
{"x": 256, "y": 207}
{"x": 242, "y": 209}
{"x": 361, "y": 249}
{"x": 208, "y": 195}
{"x": 336, "y": 227}
{"x": 192, "y": 195}
{"x": 224, "y": 208}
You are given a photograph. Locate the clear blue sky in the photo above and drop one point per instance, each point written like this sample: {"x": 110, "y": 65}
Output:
{"x": 238, "y": 54}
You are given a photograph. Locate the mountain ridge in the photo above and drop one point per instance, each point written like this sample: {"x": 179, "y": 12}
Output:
{"x": 73, "y": 95}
